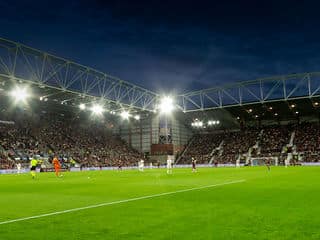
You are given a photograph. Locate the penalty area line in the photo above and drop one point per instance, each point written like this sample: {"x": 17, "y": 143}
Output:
{"x": 118, "y": 202}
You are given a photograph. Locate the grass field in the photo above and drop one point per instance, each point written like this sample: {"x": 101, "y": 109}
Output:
{"x": 281, "y": 204}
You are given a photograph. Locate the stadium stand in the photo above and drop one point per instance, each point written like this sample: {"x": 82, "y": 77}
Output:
{"x": 201, "y": 147}
{"x": 237, "y": 143}
{"x": 307, "y": 141}
{"x": 85, "y": 142}
{"x": 274, "y": 138}
{"x": 272, "y": 141}
{"x": 87, "y": 145}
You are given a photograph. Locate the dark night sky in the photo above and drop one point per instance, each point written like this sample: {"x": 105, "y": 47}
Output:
{"x": 165, "y": 45}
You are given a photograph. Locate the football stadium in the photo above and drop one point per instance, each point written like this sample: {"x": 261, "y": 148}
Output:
{"x": 86, "y": 154}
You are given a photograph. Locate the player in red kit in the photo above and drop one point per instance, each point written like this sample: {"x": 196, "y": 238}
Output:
{"x": 194, "y": 165}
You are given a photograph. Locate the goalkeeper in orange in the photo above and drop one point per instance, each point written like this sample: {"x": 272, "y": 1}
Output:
{"x": 56, "y": 165}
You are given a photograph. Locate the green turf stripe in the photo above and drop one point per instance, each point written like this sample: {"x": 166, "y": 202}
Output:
{"x": 118, "y": 202}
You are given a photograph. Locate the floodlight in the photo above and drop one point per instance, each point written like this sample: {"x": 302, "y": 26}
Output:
{"x": 166, "y": 105}
{"x": 97, "y": 109}
{"x": 217, "y": 122}
{"x": 297, "y": 112}
{"x": 82, "y": 106}
{"x": 137, "y": 117}
{"x": 20, "y": 94}
{"x": 124, "y": 115}
{"x": 276, "y": 114}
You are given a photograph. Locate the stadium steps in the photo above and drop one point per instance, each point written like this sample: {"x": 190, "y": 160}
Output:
{"x": 185, "y": 150}
{"x": 293, "y": 134}
{"x": 219, "y": 148}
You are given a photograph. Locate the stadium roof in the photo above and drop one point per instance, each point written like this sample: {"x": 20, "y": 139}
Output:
{"x": 25, "y": 64}
{"x": 64, "y": 82}
{"x": 264, "y": 90}
{"x": 272, "y": 112}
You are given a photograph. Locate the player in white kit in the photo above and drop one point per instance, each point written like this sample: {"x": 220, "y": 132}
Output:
{"x": 141, "y": 165}
{"x": 18, "y": 168}
{"x": 169, "y": 166}
{"x": 286, "y": 162}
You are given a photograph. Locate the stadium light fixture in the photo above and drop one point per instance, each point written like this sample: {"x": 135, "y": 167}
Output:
{"x": 97, "y": 109}
{"x": 43, "y": 98}
{"x": 82, "y": 106}
{"x": 20, "y": 94}
{"x": 125, "y": 115}
{"x": 166, "y": 105}
{"x": 137, "y": 117}
{"x": 198, "y": 124}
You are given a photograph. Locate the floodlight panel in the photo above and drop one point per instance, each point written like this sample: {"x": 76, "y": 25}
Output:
{"x": 125, "y": 114}
{"x": 20, "y": 94}
{"x": 166, "y": 105}
{"x": 97, "y": 109}
{"x": 82, "y": 106}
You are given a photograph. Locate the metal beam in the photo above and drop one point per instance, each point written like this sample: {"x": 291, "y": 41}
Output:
{"x": 263, "y": 90}
{"x": 18, "y": 61}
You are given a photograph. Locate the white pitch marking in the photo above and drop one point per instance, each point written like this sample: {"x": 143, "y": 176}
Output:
{"x": 117, "y": 202}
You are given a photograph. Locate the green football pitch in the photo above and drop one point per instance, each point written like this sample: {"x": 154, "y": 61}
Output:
{"x": 222, "y": 203}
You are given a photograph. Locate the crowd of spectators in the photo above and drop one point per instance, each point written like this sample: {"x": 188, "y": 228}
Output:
{"x": 95, "y": 145}
{"x": 307, "y": 141}
{"x": 201, "y": 147}
{"x": 237, "y": 143}
{"x": 274, "y": 138}
{"x": 69, "y": 139}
